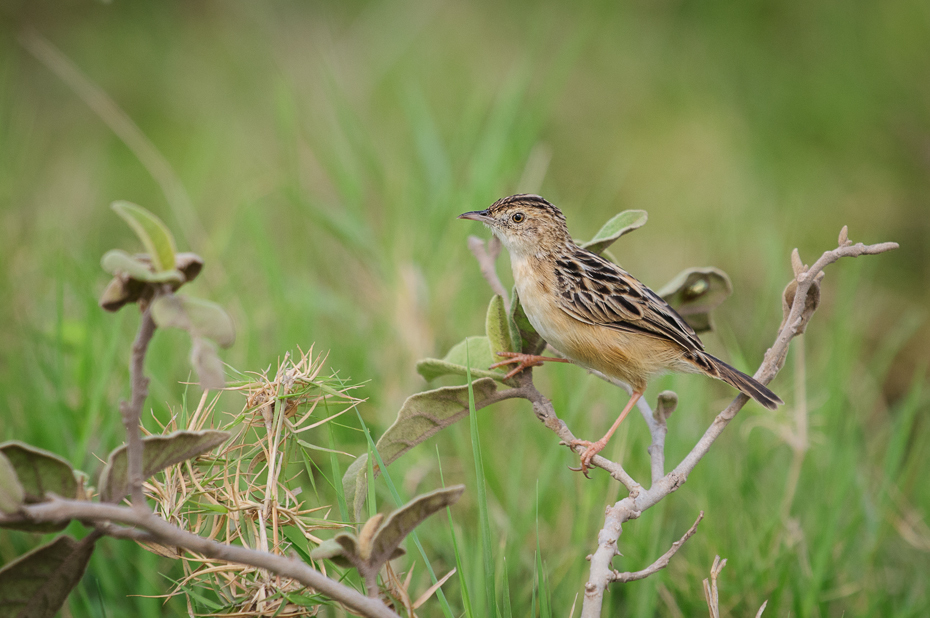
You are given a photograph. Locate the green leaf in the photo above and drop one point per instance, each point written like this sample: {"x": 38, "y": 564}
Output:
{"x": 694, "y": 292}
{"x": 207, "y": 364}
{"x": 40, "y": 473}
{"x": 37, "y": 584}
{"x": 422, "y": 416}
{"x": 201, "y": 318}
{"x": 335, "y": 551}
{"x": 155, "y": 236}
{"x": 478, "y": 352}
{"x": 158, "y": 453}
{"x": 402, "y": 521}
{"x": 620, "y": 224}
{"x": 119, "y": 262}
{"x": 501, "y": 338}
{"x": 530, "y": 341}
{"x": 355, "y": 485}
{"x": 205, "y": 322}
{"x": 12, "y": 494}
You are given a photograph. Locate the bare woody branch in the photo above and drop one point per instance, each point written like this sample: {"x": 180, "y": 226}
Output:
{"x": 663, "y": 560}
{"x": 157, "y": 529}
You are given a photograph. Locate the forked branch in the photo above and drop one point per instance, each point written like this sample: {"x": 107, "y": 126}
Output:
{"x": 662, "y": 562}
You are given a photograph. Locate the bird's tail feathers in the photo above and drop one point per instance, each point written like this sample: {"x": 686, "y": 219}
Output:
{"x": 745, "y": 384}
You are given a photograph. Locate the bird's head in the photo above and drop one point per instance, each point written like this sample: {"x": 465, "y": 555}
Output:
{"x": 526, "y": 224}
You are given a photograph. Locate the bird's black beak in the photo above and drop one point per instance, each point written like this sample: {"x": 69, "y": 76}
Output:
{"x": 477, "y": 215}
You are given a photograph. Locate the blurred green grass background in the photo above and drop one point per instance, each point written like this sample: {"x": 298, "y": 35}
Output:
{"x": 324, "y": 150}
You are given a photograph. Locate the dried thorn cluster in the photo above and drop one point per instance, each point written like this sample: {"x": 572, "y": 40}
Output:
{"x": 247, "y": 494}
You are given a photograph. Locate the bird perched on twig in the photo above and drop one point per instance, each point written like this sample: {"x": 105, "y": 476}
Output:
{"x": 594, "y": 312}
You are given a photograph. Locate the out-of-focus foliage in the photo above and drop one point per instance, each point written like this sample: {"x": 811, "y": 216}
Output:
{"x": 315, "y": 154}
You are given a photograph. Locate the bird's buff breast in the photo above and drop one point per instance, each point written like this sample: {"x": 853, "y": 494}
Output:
{"x": 626, "y": 356}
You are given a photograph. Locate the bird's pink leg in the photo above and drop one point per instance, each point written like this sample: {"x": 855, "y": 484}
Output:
{"x": 595, "y": 447}
{"x": 525, "y": 361}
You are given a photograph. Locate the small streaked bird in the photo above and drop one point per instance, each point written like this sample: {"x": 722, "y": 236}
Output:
{"x": 594, "y": 312}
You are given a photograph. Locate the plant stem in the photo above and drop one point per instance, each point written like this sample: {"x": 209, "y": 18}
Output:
{"x": 131, "y": 411}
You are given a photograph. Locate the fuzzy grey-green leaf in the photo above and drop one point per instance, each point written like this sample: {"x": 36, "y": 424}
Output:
{"x": 37, "y": 584}
{"x": 332, "y": 550}
{"x": 158, "y": 452}
{"x": 401, "y": 522}
{"x": 12, "y": 493}
{"x": 497, "y": 327}
{"x": 40, "y": 473}
{"x": 617, "y": 226}
{"x": 154, "y": 234}
{"x": 479, "y": 355}
{"x": 207, "y": 364}
{"x": 201, "y": 318}
{"x": 695, "y": 292}
{"x": 529, "y": 340}
{"x": 117, "y": 261}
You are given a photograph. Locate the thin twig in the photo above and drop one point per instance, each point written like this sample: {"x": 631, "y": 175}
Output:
{"x": 710, "y": 587}
{"x": 487, "y": 257}
{"x": 545, "y": 412}
{"x": 132, "y": 410}
{"x": 663, "y": 560}
{"x": 161, "y": 531}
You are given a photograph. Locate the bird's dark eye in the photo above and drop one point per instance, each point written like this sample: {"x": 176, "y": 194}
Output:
{"x": 518, "y": 217}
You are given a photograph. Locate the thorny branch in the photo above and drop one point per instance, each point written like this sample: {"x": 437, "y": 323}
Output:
{"x": 639, "y": 499}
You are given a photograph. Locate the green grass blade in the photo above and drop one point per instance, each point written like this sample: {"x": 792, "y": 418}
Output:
{"x": 372, "y": 497}
{"x": 506, "y": 611}
{"x": 460, "y": 571}
{"x": 484, "y": 519}
{"x": 545, "y": 609}
{"x": 398, "y": 501}
{"x": 337, "y": 476}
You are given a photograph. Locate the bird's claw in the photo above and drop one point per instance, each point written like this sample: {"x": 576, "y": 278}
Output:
{"x": 591, "y": 449}
{"x": 524, "y": 361}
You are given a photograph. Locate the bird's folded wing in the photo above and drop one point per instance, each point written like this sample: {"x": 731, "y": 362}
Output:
{"x": 598, "y": 292}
